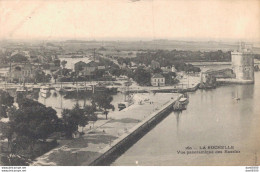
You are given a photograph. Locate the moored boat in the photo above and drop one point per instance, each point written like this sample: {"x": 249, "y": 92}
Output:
{"x": 29, "y": 89}
{"x": 69, "y": 89}
{"x": 21, "y": 90}
{"x": 45, "y": 95}
{"x": 81, "y": 88}
{"x": 181, "y": 104}
{"x": 59, "y": 89}
{"x": 89, "y": 88}
{"x": 44, "y": 89}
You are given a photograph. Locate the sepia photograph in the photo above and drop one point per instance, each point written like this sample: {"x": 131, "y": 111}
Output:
{"x": 129, "y": 83}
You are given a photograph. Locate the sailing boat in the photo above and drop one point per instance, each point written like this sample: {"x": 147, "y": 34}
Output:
{"x": 44, "y": 89}
{"x": 237, "y": 98}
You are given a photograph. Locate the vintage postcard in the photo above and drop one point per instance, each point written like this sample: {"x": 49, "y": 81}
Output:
{"x": 129, "y": 83}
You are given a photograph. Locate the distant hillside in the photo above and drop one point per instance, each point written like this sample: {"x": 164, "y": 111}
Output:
{"x": 155, "y": 45}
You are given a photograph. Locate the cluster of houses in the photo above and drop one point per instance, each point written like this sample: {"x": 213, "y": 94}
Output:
{"x": 87, "y": 67}
{"x": 82, "y": 64}
{"x": 158, "y": 80}
{"x": 23, "y": 64}
{"x": 20, "y": 72}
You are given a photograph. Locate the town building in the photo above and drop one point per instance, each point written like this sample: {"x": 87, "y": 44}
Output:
{"x": 157, "y": 80}
{"x": 174, "y": 69}
{"x": 21, "y": 72}
{"x": 166, "y": 69}
{"x": 101, "y": 67}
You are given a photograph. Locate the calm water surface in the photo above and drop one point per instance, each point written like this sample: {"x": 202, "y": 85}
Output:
{"x": 59, "y": 102}
{"x": 213, "y": 117}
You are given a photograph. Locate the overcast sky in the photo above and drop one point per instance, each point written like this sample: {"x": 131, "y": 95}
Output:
{"x": 121, "y": 19}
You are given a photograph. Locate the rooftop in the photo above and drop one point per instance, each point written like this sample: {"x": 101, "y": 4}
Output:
{"x": 157, "y": 75}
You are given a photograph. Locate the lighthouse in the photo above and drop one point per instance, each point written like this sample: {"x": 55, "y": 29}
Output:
{"x": 243, "y": 64}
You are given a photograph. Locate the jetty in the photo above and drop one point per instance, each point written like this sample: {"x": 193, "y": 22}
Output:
{"x": 107, "y": 139}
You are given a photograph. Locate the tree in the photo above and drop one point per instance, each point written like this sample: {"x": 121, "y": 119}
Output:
{"x": 170, "y": 78}
{"x": 98, "y": 73}
{"x": 103, "y": 102}
{"x": 14, "y": 160}
{"x": 30, "y": 123}
{"x": 82, "y": 119}
{"x": 18, "y": 58}
{"x": 7, "y": 132}
{"x": 57, "y": 62}
{"x": 89, "y": 111}
{"x": 65, "y": 71}
{"x": 6, "y": 101}
{"x": 40, "y": 76}
{"x": 72, "y": 119}
{"x": 63, "y": 63}
{"x": 55, "y": 77}
{"x": 115, "y": 72}
{"x": 142, "y": 77}
{"x": 157, "y": 70}
{"x": 68, "y": 122}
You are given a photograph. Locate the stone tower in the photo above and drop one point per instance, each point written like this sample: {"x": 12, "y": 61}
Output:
{"x": 243, "y": 64}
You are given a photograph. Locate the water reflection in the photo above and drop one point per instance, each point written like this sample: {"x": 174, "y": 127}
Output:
{"x": 178, "y": 116}
{"x": 213, "y": 117}
{"x": 59, "y": 100}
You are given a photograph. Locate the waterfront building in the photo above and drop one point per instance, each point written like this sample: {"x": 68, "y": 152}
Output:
{"x": 157, "y": 80}
{"x": 243, "y": 64}
{"x": 20, "y": 72}
{"x": 209, "y": 77}
{"x": 242, "y": 71}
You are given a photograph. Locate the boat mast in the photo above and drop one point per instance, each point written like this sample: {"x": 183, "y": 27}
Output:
{"x": 77, "y": 89}
{"x": 61, "y": 102}
{"x": 188, "y": 80}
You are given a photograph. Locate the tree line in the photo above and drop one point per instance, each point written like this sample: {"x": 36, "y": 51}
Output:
{"x": 165, "y": 57}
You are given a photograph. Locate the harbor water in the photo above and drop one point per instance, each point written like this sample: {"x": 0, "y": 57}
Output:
{"x": 225, "y": 117}
{"x": 59, "y": 101}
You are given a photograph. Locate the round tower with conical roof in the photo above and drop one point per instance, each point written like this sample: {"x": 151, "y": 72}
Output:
{"x": 243, "y": 63}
